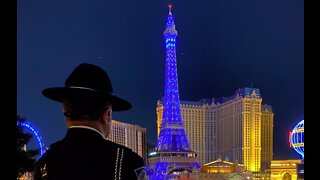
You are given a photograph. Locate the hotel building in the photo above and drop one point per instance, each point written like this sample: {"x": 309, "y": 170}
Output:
{"x": 238, "y": 129}
{"x": 131, "y": 136}
{"x": 266, "y": 137}
{"x": 199, "y": 127}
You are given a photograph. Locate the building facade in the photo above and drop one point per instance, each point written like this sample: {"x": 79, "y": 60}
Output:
{"x": 284, "y": 169}
{"x": 266, "y": 137}
{"x": 222, "y": 170}
{"x": 131, "y": 136}
{"x": 236, "y": 128}
{"x": 239, "y": 128}
{"x": 220, "y": 166}
{"x": 198, "y": 120}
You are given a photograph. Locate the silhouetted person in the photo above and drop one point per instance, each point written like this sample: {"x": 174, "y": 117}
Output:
{"x": 84, "y": 153}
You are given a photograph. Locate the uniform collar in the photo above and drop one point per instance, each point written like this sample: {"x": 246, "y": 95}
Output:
{"x": 87, "y": 127}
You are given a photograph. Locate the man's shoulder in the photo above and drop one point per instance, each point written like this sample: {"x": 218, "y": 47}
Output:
{"x": 115, "y": 146}
{"x": 127, "y": 152}
{"x": 120, "y": 147}
{"x": 104, "y": 145}
{"x": 128, "y": 163}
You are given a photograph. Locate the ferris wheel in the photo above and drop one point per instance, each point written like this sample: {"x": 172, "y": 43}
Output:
{"x": 36, "y": 134}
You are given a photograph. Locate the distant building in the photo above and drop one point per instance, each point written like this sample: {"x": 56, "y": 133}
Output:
{"x": 220, "y": 166}
{"x": 199, "y": 124}
{"x": 284, "y": 169}
{"x": 222, "y": 170}
{"x": 131, "y": 136}
{"x": 266, "y": 136}
{"x": 237, "y": 128}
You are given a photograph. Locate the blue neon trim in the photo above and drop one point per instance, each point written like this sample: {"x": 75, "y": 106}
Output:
{"x": 30, "y": 127}
{"x": 297, "y": 137}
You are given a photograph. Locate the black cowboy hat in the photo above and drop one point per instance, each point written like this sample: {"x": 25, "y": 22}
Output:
{"x": 87, "y": 81}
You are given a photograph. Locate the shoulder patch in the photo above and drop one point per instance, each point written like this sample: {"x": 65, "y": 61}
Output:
{"x": 141, "y": 173}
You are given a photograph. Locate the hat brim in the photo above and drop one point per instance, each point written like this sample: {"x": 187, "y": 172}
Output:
{"x": 61, "y": 93}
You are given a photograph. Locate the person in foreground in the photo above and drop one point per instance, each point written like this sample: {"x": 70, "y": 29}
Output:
{"x": 84, "y": 153}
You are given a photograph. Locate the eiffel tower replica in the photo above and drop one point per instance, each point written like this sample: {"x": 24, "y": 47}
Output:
{"x": 173, "y": 155}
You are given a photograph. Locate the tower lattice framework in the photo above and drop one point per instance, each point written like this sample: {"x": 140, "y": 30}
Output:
{"x": 173, "y": 152}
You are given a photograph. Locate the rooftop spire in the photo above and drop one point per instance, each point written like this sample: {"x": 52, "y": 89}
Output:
{"x": 169, "y": 6}
{"x": 170, "y": 27}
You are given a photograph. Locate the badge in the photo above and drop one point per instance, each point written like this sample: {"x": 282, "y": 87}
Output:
{"x": 141, "y": 173}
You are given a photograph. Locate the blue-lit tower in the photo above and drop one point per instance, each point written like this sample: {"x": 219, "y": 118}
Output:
{"x": 172, "y": 136}
{"x": 173, "y": 153}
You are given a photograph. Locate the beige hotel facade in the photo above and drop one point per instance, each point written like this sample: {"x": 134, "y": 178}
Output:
{"x": 131, "y": 136}
{"x": 238, "y": 128}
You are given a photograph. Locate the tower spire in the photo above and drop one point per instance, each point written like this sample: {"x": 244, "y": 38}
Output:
{"x": 172, "y": 146}
{"x": 170, "y": 26}
{"x": 172, "y": 136}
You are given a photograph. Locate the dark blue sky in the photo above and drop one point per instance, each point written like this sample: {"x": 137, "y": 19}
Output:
{"x": 222, "y": 45}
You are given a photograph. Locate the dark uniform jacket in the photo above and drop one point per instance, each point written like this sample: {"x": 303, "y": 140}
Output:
{"x": 85, "y": 155}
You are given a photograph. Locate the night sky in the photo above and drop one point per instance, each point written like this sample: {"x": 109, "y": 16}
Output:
{"x": 222, "y": 45}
